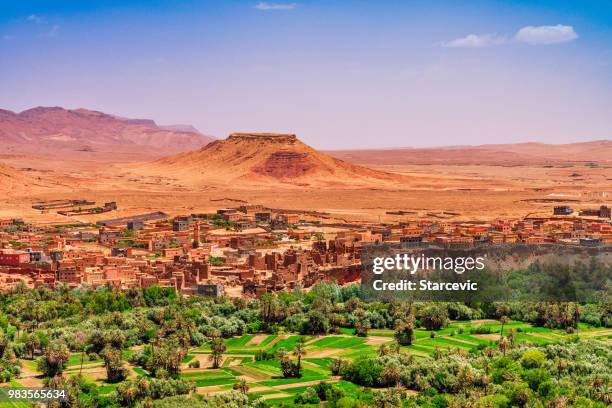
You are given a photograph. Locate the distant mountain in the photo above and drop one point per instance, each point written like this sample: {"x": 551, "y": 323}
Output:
{"x": 268, "y": 158}
{"x": 507, "y": 154}
{"x": 180, "y": 128}
{"x": 47, "y": 128}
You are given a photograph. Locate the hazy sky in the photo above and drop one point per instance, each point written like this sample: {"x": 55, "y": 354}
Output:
{"x": 339, "y": 74}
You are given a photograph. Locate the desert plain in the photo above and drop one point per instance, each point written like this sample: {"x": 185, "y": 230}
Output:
{"x": 458, "y": 183}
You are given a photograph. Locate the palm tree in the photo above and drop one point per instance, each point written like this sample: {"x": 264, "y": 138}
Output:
{"x": 217, "y": 350}
{"x": 299, "y": 351}
{"x": 242, "y": 386}
{"x": 504, "y": 345}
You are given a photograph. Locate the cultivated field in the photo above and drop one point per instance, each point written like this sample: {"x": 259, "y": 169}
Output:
{"x": 265, "y": 378}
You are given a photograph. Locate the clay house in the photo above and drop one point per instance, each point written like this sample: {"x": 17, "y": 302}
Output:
{"x": 252, "y": 208}
{"x": 263, "y": 217}
{"x": 502, "y": 226}
{"x": 135, "y": 225}
{"x": 601, "y": 212}
{"x": 10, "y": 257}
{"x": 232, "y": 216}
{"x": 180, "y": 224}
{"x": 288, "y": 218}
{"x": 562, "y": 210}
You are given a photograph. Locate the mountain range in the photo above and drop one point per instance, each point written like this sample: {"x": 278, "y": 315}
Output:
{"x": 493, "y": 154}
{"x": 44, "y": 130}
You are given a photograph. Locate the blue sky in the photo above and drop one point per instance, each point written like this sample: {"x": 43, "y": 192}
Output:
{"x": 339, "y": 74}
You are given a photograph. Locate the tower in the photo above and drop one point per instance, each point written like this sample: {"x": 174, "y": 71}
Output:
{"x": 196, "y": 234}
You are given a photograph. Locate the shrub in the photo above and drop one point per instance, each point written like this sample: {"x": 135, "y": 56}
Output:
{"x": 533, "y": 359}
{"x": 535, "y": 377}
{"x": 480, "y": 330}
{"x": 493, "y": 401}
{"x": 309, "y": 396}
{"x": 364, "y": 371}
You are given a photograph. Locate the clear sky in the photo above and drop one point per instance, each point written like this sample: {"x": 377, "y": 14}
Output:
{"x": 339, "y": 74}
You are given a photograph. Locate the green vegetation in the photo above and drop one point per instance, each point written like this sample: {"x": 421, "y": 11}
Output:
{"x": 153, "y": 347}
{"x": 215, "y": 260}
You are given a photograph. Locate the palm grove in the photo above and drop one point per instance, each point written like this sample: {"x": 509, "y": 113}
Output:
{"x": 153, "y": 329}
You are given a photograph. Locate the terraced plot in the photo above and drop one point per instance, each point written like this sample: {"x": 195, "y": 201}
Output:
{"x": 265, "y": 377}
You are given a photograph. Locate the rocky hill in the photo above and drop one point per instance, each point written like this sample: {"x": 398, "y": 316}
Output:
{"x": 247, "y": 158}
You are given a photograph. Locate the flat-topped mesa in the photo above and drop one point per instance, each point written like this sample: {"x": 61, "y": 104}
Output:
{"x": 263, "y": 137}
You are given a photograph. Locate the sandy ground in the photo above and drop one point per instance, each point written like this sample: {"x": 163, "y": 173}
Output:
{"x": 377, "y": 341}
{"x": 257, "y": 339}
{"x": 445, "y": 192}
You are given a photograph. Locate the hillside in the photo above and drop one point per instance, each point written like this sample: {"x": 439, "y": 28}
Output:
{"x": 12, "y": 180}
{"x": 509, "y": 154}
{"x": 45, "y": 130}
{"x": 265, "y": 158}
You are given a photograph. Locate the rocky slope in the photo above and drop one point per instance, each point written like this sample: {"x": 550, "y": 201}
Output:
{"x": 255, "y": 158}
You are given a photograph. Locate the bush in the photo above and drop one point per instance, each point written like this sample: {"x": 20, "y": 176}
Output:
{"x": 364, "y": 371}
{"x": 533, "y": 359}
{"x": 480, "y": 330}
{"x": 535, "y": 377}
{"x": 194, "y": 364}
{"x": 591, "y": 319}
{"x": 348, "y": 402}
{"x": 263, "y": 355}
{"x": 309, "y": 396}
{"x": 493, "y": 401}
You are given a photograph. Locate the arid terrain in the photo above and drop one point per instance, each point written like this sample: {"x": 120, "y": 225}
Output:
{"x": 61, "y": 154}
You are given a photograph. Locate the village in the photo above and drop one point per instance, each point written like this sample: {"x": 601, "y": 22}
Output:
{"x": 250, "y": 249}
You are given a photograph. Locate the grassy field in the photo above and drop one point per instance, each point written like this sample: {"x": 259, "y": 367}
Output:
{"x": 265, "y": 378}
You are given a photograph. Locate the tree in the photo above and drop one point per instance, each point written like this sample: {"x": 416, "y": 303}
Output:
{"x": 404, "y": 331}
{"x": 113, "y": 362}
{"x": 217, "y": 350}
{"x": 299, "y": 351}
{"x": 54, "y": 360}
{"x": 316, "y": 323}
{"x": 167, "y": 357}
{"x": 270, "y": 309}
{"x": 337, "y": 365}
{"x": 502, "y": 310}
{"x": 242, "y": 386}
{"x": 31, "y": 343}
{"x": 434, "y": 317}
{"x": 504, "y": 345}
{"x": 288, "y": 367}
{"x": 362, "y": 324}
